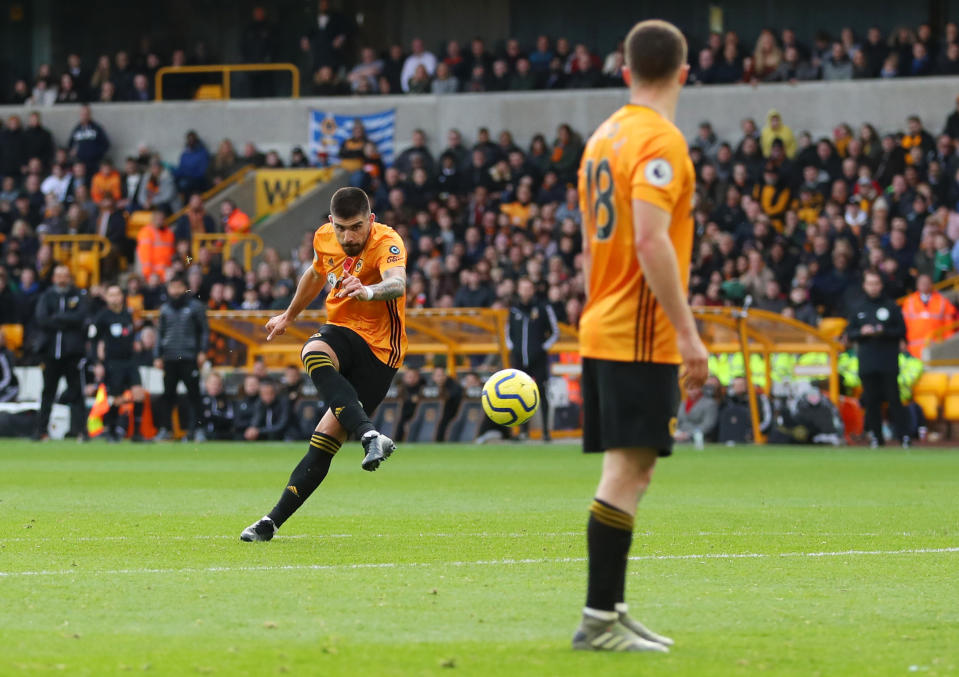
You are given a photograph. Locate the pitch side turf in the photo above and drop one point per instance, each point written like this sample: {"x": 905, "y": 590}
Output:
{"x": 470, "y": 561}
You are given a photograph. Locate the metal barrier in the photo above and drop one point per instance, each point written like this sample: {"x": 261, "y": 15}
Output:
{"x": 224, "y": 242}
{"x": 226, "y": 70}
{"x": 68, "y": 249}
{"x": 232, "y": 179}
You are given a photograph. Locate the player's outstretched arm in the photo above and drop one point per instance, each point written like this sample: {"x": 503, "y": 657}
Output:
{"x": 657, "y": 257}
{"x": 393, "y": 286}
{"x": 310, "y": 284}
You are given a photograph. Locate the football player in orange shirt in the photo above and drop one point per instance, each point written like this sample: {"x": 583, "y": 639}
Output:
{"x": 636, "y": 187}
{"x": 353, "y": 358}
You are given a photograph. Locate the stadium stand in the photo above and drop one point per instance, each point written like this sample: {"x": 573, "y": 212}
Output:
{"x": 785, "y": 220}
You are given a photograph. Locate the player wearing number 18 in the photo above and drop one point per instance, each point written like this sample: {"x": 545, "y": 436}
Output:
{"x": 636, "y": 186}
{"x": 353, "y": 358}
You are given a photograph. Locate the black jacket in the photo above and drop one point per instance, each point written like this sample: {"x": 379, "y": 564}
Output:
{"x": 8, "y": 377}
{"x": 61, "y": 319}
{"x": 243, "y": 412}
{"x": 183, "y": 331}
{"x": 217, "y": 417}
{"x": 531, "y": 331}
{"x": 90, "y": 143}
{"x": 271, "y": 419}
{"x": 878, "y": 352}
{"x": 38, "y": 142}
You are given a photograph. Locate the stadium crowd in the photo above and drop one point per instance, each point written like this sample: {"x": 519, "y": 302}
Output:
{"x": 333, "y": 61}
{"x": 785, "y": 222}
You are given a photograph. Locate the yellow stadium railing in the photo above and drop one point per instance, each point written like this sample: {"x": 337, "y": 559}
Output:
{"x": 232, "y": 179}
{"x": 83, "y": 260}
{"x": 226, "y": 70}
{"x": 251, "y": 243}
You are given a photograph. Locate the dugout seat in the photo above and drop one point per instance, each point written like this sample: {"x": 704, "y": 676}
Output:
{"x": 950, "y": 408}
{"x": 929, "y": 403}
{"x": 387, "y": 418}
{"x": 932, "y": 382}
{"x": 465, "y": 426}
{"x": 13, "y": 335}
{"x": 425, "y": 424}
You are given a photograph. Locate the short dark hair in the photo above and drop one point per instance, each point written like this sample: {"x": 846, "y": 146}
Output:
{"x": 655, "y": 50}
{"x": 179, "y": 277}
{"x": 349, "y": 202}
{"x": 871, "y": 271}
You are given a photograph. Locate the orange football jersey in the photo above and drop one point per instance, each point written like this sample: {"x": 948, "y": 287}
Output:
{"x": 380, "y": 323}
{"x": 636, "y": 154}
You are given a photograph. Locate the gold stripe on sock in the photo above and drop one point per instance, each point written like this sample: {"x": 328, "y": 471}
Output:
{"x": 325, "y": 443}
{"x": 611, "y": 517}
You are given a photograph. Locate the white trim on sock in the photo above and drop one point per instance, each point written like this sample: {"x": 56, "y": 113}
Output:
{"x": 600, "y": 614}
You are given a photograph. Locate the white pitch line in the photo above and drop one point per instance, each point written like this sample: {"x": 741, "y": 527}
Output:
{"x": 488, "y": 562}
{"x": 548, "y": 534}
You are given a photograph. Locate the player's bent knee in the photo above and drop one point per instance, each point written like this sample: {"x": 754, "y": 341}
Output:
{"x": 319, "y": 346}
{"x": 328, "y": 425}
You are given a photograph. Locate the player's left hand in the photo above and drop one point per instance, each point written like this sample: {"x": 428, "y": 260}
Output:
{"x": 351, "y": 287}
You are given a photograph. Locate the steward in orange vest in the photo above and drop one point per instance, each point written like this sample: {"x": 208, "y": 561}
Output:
{"x": 926, "y": 311}
{"x": 155, "y": 247}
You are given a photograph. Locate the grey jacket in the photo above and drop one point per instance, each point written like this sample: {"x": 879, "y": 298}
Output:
{"x": 702, "y": 416}
{"x": 183, "y": 331}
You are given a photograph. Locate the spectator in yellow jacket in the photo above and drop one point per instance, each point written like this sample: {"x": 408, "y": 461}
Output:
{"x": 776, "y": 129}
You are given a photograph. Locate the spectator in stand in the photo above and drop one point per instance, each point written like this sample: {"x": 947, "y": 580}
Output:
{"x": 66, "y": 93}
{"x": 329, "y": 38}
{"x": 111, "y": 223}
{"x": 13, "y": 156}
{"x": 217, "y": 414}
{"x": 698, "y": 414}
{"x": 271, "y": 416}
{"x": 105, "y": 182}
{"x": 418, "y": 57}
{"x": 567, "y": 150}
{"x": 155, "y": 247}
{"x": 838, "y": 65}
{"x": 445, "y": 82}
{"x": 417, "y": 152}
{"x": 928, "y": 315}
{"x": 367, "y": 70}
{"x": 541, "y": 57}
{"x": 767, "y": 55}
{"x": 776, "y": 129}
{"x": 156, "y": 189}
{"x": 233, "y": 219}
{"x": 704, "y": 72}
{"x": 37, "y": 140}
{"x": 258, "y": 45}
{"x": 451, "y": 392}
{"x": 194, "y": 220}
{"x": 326, "y": 82}
{"x": 88, "y": 141}
{"x": 455, "y": 61}
{"x": 473, "y": 293}
{"x": 9, "y": 385}
{"x": 191, "y": 172}
{"x": 420, "y": 82}
{"x": 352, "y": 155}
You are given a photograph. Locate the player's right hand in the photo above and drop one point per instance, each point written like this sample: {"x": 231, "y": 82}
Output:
{"x": 277, "y": 326}
{"x": 695, "y": 361}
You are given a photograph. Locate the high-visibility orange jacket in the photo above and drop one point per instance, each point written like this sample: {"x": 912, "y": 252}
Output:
{"x": 155, "y": 249}
{"x": 922, "y": 319}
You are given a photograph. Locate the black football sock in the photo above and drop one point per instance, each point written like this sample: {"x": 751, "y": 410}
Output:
{"x": 609, "y": 533}
{"x": 110, "y": 420}
{"x": 137, "y": 416}
{"x": 306, "y": 477}
{"x": 338, "y": 393}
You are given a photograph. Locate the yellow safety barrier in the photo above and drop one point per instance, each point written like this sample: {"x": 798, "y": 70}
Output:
{"x": 251, "y": 243}
{"x": 225, "y": 70}
{"x": 84, "y": 262}
{"x": 460, "y": 332}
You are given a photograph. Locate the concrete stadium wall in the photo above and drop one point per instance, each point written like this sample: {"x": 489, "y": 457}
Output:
{"x": 282, "y": 124}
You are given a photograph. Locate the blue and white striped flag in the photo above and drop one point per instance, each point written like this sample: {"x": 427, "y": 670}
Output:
{"x": 328, "y": 131}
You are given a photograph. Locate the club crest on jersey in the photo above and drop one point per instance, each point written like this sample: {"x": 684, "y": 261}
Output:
{"x": 394, "y": 250}
{"x": 658, "y": 172}
{"x": 358, "y": 267}
{"x": 329, "y": 262}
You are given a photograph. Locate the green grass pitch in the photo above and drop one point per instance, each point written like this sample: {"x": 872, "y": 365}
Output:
{"x": 470, "y": 561}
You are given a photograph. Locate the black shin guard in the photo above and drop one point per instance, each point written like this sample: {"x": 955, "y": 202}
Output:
{"x": 306, "y": 477}
{"x": 609, "y": 535}
{"x": 337, "y": 392}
